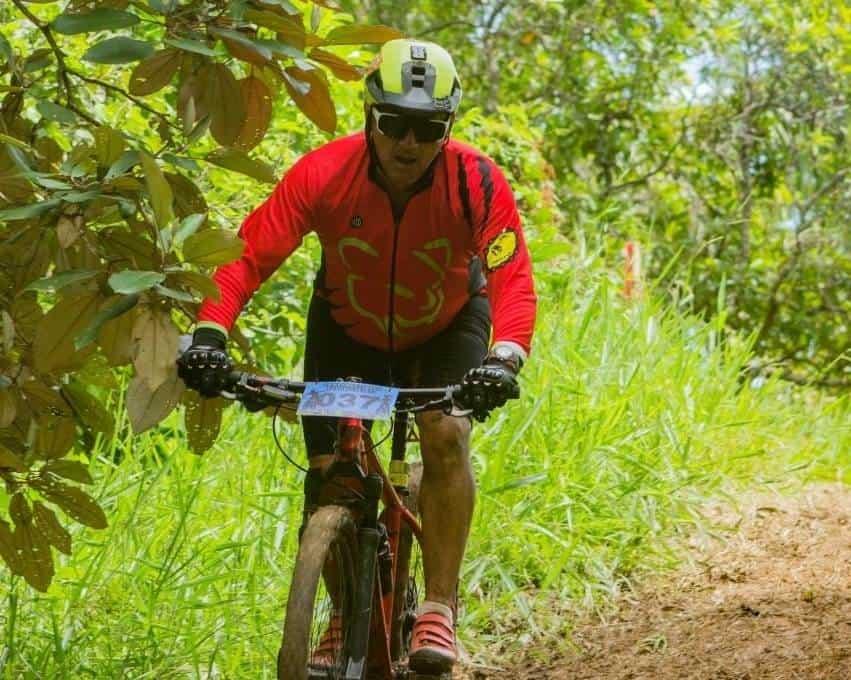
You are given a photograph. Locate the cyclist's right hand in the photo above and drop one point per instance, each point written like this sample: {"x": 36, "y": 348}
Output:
{"x": 205, "y": 365}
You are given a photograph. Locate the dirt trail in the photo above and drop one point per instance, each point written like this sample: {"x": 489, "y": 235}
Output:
{"x": 768, "y": 599}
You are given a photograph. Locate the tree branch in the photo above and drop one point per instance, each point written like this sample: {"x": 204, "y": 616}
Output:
{"x": 124, "y": 93}
{"x": 61, "y": 67}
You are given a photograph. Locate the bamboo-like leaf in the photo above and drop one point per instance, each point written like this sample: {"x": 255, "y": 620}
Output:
{"x": 68, "y": 469}
{"x": 159, "y": 190}
{"x": 156, "y": 340}
{"x": 231, "y": 159}
{"x": 203, "y": 419}
{"x": 100, "y": 19}
{"x": 257, "y": 102}
{"x": 146, "y": 408}
{"x": 45, "y": 521}
{"x": 76, "y": 502}
{"x": 155, "y": 72}
{"x": 337, "y": 65}
{"x": 355, "y": 34}
{"x": 118, "y": 50}
{"x": 316, "y": 103}
{"x": 213, "y": 247}
{"x": 89, "y": 410}
{"x": 224, "y": 101}
{"x": 54, "y": 341}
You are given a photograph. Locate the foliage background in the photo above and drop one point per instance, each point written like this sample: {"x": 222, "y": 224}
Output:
{"x": 713, "y": 133}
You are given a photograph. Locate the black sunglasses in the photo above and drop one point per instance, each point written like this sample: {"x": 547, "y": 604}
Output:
{"x": 396, "y": 125}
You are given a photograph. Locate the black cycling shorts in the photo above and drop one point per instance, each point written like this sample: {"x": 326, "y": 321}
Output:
{"x": 330, "y": 354}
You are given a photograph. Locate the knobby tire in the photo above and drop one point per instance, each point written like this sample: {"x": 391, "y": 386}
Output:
{"x": 330, "y": 534}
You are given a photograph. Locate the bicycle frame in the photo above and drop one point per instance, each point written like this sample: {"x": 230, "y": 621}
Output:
{"x": 371, "y": 628}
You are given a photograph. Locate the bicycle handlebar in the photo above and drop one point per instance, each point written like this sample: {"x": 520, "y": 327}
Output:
{"x": 249, "y": 387}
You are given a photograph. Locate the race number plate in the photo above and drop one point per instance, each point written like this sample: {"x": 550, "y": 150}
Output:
{"x": 348, "y": 400}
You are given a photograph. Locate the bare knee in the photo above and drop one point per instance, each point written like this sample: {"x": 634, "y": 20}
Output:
{"x": 445, "y": 442}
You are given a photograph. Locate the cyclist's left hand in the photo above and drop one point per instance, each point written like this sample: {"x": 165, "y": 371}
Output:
{"x": 488, "y": 387}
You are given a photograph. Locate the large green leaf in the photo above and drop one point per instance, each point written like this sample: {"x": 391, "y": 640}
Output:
{"x": 159, "y": 190}
{"x": 27, "y": 212}
{"x": 130, "y": 281}
{"x": 101, "y": 19}
{"x": 213, "y": 247}
{"x": 243, "y": 164}
{"x": 223, "y": 99}
{"x": 147, "y": 407}
{"x": 191, "y": 46}
{"x": 59, "y": 281}
{"x": 55, "y": 112}
{"x": 119, "y": 50}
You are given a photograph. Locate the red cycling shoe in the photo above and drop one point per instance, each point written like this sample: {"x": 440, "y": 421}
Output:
{"x": 432, "y": 644}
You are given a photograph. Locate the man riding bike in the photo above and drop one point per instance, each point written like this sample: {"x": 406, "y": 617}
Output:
{"x": 421, "y": 246}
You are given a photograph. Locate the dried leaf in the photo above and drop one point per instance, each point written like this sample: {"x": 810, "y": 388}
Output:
{"x": 54, "y": 340}
{"x": 155, "y": 72}
{"x": 156, "y": 341}
{"x": 355, "y": 34}
{"x": 69, "y": 469}
{"x": 50, "y": 528}
{"x": 76, "y": 502}
{"x": 223, "y": 99}
{"x": 147, "y": 407}
{"x": 203, "y": 419}
{"x": 337, "y": 65}
{"x": 316, "y": 103}
{"x": 257, "y": 101}
{"x": 159, "y": 191}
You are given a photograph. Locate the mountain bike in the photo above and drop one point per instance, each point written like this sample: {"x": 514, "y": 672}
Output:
{"x": 358, "y": 578}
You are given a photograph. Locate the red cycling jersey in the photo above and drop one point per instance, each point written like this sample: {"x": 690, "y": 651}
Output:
{"x": 393, "y": 282}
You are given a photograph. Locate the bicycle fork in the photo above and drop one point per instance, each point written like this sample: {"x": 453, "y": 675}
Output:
{"x": 368, "y": 539}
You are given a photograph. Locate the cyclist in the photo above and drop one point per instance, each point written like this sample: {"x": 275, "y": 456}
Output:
{"x": 421, "y": 246}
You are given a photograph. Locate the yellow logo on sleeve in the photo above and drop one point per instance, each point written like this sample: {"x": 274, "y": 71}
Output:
{"x": 501, "y": 249}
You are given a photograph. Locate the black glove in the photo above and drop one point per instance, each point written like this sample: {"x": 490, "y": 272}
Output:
{"x": 488, "y": 387}
{"x": 205, "y": 365}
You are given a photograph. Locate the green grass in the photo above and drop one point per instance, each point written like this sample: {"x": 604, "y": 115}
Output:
{"x": 631, "y": 417}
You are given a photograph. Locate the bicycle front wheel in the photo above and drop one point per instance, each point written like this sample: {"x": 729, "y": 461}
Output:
{"x": 321, "y": 598}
